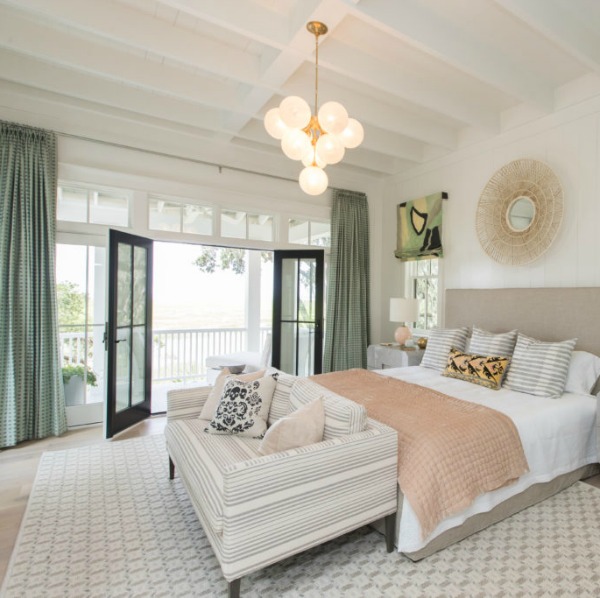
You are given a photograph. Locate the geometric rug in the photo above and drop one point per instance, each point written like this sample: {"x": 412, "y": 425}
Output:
{"x": 105, "y": 521}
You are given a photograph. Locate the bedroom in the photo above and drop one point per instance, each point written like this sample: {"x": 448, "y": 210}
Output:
{"x": 80, "y": 71}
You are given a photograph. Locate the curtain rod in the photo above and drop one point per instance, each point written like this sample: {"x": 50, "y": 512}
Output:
{"x": 221, "y": 167}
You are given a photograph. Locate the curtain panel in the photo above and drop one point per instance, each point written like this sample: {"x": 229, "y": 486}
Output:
{"x": 347, "y": 319}
{"x": 32, "y": 401}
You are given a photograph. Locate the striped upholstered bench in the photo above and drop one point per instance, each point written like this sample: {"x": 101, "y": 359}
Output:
{"x": 257, "y": 510}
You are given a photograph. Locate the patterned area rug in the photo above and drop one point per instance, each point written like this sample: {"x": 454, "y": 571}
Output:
{"x": 105, "y": 521}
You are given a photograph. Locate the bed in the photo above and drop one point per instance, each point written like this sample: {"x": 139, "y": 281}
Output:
{"x": 559, "y": 436}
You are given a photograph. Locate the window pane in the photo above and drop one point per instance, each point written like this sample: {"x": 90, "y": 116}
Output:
{"x": 72, "y": 204}
{"x": 197, "y": 220}
{"x": 80, "y": 277}
{"x": 233, "y": 224}
{"x": 423, "y": 267}
{"x": 164, "y": 215}
{"x": 260, "y": 227}
{"x": 320, "y": 234}
{"x": 298, "y": 232}
{"x": 434, "y": 267}
{"x": 109, "y": 208}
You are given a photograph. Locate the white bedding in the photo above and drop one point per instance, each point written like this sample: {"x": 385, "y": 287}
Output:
{"x": 558, "y": 436}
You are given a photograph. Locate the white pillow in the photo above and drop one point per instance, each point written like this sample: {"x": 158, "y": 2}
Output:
{"x": 209, "y": 408}
{"x": 244, "y": 408}
{"x": 584, "y": 371}
{"x": 300, "y": 428}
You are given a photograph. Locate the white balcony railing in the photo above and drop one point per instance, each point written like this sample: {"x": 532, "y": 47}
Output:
{"x": 177, "y": 355}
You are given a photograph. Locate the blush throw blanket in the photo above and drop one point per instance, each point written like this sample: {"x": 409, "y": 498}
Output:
{"x": 449, "y": 451}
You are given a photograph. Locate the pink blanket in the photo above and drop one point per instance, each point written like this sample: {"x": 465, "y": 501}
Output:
{"x": 449, "y": 451}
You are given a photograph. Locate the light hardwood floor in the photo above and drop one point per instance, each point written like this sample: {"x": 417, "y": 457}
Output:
{"x": 18, "y": 466}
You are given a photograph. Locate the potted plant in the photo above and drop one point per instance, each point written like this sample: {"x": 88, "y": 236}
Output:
{"x": 73, "y": 380}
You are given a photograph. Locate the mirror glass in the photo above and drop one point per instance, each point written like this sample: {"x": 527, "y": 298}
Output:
{"x": 520, "y": 213}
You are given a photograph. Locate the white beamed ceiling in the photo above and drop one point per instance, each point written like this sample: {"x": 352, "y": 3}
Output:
{"x": 195, "y": 77}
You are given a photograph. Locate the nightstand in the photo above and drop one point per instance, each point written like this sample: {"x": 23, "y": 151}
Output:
{"x": 380, "y": 357}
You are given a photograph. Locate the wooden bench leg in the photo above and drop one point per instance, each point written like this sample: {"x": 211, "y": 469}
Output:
{"x": 234, "y": 588}
{"x": 390, "y": 531}
{"x": 171, "y": 469}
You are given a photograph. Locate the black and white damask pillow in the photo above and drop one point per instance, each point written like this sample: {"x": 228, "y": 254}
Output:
{"x": 244, "y": 408}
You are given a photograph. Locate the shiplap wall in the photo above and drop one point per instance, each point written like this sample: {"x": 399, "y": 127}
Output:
{"x": 569, "y": 142}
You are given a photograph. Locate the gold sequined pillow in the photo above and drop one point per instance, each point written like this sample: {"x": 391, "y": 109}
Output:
{"x": 485, "y": 370}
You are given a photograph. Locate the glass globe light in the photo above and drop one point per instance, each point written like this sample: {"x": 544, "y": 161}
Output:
{"x": 313, "y": 180}
{"x": 333, "y": 117}
{"x": 295, "y": 144}
{"x": 330, "y": 148}
{"x": 295, "y": 112}
{"x": 312, "y": 156}
{"x": 352, "y": 136}
{"x": 274, "y": 123}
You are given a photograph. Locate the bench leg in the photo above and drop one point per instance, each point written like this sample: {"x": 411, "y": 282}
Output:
{"x": 171, "y": 469}
{"x": 234, "y": 588}
{"x": 390, "y": 531}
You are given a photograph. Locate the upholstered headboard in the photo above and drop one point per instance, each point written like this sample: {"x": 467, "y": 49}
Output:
{"x": 550, "y": 314}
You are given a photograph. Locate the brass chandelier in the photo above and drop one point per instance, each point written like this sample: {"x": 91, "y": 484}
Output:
{"x": 317, "y": 140}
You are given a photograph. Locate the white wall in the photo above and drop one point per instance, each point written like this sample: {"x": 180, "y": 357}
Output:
{"x": 569, "y": 142}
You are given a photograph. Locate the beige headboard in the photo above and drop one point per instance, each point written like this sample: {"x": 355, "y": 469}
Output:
{"x": 547, "y": 314}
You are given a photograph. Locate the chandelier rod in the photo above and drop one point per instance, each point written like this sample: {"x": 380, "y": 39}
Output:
{"x": 316, "y": 73}
{"x": 317, "y": 28}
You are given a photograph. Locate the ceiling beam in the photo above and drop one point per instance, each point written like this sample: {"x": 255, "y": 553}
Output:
{"x": 414, "y": 24}
{"x": 57, "y": 47}
{"x": 559, "y": 22}
{"x": 356, "y": 64}
{"x": 136, "y": 29}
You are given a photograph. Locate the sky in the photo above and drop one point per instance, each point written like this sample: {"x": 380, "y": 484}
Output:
{"x": 184, "y": 297}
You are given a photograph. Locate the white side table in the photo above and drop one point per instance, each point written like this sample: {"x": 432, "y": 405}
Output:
{"x": 380, "y": 357}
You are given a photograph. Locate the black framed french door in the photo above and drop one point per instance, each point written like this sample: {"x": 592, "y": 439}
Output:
{"x": 128, "y": 331}
{"x": 298, "y": 278}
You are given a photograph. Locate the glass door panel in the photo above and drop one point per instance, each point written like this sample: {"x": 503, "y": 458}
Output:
{"x": 298, "y": 311}
{"x": 129, "y": 331}
{"x": 123, "y": 368}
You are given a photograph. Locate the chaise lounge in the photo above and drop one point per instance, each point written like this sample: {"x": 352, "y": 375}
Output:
{"x": 257, "y": 510}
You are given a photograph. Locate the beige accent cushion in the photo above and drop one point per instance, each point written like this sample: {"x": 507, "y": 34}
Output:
{"x": 300, "y": 428}
{"x": 209, "y": 408}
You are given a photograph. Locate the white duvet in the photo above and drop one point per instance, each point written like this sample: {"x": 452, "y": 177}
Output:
{"x": 558, "y": 436}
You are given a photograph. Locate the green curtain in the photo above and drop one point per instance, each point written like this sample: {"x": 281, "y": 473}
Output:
{"x": 347, "y": 329}
{"x": 32, "y": 403}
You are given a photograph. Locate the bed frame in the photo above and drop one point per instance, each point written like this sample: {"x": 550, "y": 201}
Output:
{"x": 547, "y": 314}
{"x": 550, "y": 314}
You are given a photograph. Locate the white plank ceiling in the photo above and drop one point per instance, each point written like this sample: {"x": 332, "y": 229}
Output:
{"x": 195, "y": 77}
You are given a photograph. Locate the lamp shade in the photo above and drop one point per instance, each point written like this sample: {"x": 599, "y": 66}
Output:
{"x": 404, "y": 310}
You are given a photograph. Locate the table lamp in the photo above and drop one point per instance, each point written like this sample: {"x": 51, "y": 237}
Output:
{"x": 403, "y": 310}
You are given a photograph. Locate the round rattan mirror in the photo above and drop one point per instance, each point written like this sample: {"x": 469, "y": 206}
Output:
{"x": 519, "y": 212}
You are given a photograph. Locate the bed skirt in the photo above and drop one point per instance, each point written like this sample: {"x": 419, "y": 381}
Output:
{"x": 514, "y": 504}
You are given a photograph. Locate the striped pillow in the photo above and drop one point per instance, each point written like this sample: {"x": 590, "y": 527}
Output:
{"x": 487, "y": 343}
{"x": 342, "y": 416}
{"x": 439, "y": 343}
{"x": 539, "y": 368}
{"x": 280, "y": 405}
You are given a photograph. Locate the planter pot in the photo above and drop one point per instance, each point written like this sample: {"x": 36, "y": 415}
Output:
{"x": 74, "y": 391}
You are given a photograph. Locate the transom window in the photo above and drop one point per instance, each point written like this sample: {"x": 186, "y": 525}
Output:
{"x": 109, "y": 207}
{"x": 309, "y": 232}
{"x": 172, "y": 216}
{"x": 243, "y": 225}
